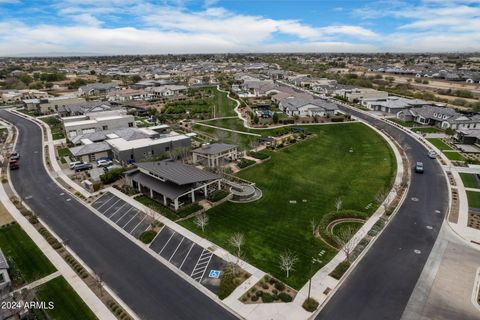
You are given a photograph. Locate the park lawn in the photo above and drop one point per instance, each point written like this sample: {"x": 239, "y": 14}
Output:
{"x": 456, "y": 156}
{"x": 67, "y": 303}
{"x": 243, "y": 140}
{"x": 224, "y": 106}
{"x": 24, "y": 257}
{"x": 439, "y": 144}
{"x": 473, "y": 199}
{"x": 314, "y": 173}
{"x": 469, "y": 180}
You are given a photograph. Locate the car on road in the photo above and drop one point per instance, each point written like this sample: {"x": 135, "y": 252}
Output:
{"x": 419, "y": 167}
{"x": 83, "y": 167}
{"x": 14, "y": 156}
{"x": 104, "y": 163}
{"x": 432, "y": 154}
{"x": 13, "y": 164}
{"x": 73, "y": 164}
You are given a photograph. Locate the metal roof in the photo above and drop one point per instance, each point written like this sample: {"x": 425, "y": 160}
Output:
{"x": 214, "y": 148}
{"x": 177, "y": 172}
{"x": 169, "y": 189}
{"x": 3, "y": 261}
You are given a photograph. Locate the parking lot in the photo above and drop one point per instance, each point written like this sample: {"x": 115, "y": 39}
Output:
{"x": 195, "y": 261}
{"x": 123, "y": 214}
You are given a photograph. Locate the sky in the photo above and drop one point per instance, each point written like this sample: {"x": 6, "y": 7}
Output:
{"x": 71, "y": 27}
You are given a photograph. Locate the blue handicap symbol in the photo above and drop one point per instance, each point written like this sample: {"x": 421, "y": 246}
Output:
{"x": 214, "y": 274}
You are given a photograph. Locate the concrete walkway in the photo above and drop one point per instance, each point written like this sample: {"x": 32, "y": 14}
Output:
{"x": 39, "y": 282}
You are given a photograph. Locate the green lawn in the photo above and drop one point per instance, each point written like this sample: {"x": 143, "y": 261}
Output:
{"x": 67, "y": 303}
{"x": 314, "y": 173}
{"x": 473, "y": 199}
{"x": 224, "y": 106}
{"x": 407, "y": 124}
{"x": 454, "y": 156}
{"x": 63, "y": 152}
{"x": 469, "y": 180}
{"x": 243, "y": 140}
{"x": 428, "y": 130}
{"x": 26, "y": 260}
{"x": 439, "y": 144}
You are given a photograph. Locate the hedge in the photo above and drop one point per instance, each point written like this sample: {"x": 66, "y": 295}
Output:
{"x": 147, "y": 236}
{"x": 243, "y": 163}
{"x": 339, "y": 270}
{"x": 189, "y": 209}
{"x": 217, "y": 195}
{"x": 259, "y": 155}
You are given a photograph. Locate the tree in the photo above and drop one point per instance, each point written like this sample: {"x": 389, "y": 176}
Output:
{"x": 201, "y": 221}
{"x": 338, "y": 204}
{"x": 237, "y": 240}
{"x": 287, "y": 262}
{"x": 255, "y": 119}
{"x": 275, "y": 117}
{"x": 345, "y": 241}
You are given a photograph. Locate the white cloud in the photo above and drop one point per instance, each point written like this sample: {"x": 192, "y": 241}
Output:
{"x": 86, "y": 19}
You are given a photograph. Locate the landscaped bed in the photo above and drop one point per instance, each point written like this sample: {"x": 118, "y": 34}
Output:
{"x": 268, "y": 290}
{"x": 301, "y": 183}
{"x": 56, "y": 127}
{"x": 455, "y": 156}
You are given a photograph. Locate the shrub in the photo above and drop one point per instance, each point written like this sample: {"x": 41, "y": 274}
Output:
{"x": 265, "y": 286}
{"x": 279, "y": 286}
{"x": 112, "y": 175}
{"x": 254, "y": 298}
{"x": 33, "y": 220}
{"x": 267, "y": 298}
{"x": 258, "y": 155}
{"x": 310, "y": 305}
{"x": 259, "y": 293}
{"x": 217, "y": 195}
{"x": 243, "y": 163}
{"x": 339, "y": 270}
{"x": 285, "y": 297}
{"x": 189, "y": 209}
{"x": 147, "y": 236}
{"x": 228, "y": 283}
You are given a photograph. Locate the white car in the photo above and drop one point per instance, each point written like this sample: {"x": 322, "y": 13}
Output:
{"x": 73, "y": 164}
{"x": 104, "y": 163}
{"x": 432, "y": 154}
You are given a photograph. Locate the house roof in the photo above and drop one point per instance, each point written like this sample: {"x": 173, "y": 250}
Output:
{"x": 214, "y": 148}
{"x": 295, "y": 103}
{"x": 3, "y": 261}
{"x": 90, "y": 148}
{"x": 177, "y": 172}
{"x": 169, "y": 189}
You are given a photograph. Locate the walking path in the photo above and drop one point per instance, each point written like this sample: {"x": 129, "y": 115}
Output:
{"x": 39, "y": 282}
{"x": 230, "y": 130}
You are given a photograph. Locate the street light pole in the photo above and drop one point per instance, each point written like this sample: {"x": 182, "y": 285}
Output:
{"x": 314, "y": 260}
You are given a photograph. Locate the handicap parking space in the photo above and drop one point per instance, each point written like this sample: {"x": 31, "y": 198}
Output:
{"x": 123, "y": 214}
{"x": 195, "y": 261}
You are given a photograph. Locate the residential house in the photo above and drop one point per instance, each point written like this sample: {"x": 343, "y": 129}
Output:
{"x": 357, "y": 94}
{"x": 442, "y": 117}
{"x": 307, "y": 107}
{"x": 392, "y": 104}
{"x": 96, "y": 89}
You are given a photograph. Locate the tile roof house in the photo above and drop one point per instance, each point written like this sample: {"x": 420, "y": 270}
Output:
{"x": 307, "y": 107}
{"x": 442, "y": 117}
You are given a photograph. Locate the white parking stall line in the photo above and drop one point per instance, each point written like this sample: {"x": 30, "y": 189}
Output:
{"x": 123, "y": 205}
{"x": 167, "y": 242}
{"x": 105, "y": 202}
{"x": 204, "y": 270}
{"x": 201, "y": 266}
{"x": 110, "y": 206}
{"x": 123, "y": 215}
{"x": 144, "y": 217}
{"x": 191, "y": 247}
{"x": 176, "y": 249}
{"x": 131, "y": 219}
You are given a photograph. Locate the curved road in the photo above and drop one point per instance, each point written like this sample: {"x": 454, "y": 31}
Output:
{"x": 380, "y": 286}
{"x": 149, "y": 288}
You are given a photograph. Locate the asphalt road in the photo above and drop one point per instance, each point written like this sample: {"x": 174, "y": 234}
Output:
{"x": 150, "y": 289}
{"x": 380, "y": 286}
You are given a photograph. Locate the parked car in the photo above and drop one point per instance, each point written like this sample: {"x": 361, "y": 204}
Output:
{"x": 419, "y": 167}
{"x": 13, "y": 164}
{"x": 104, "y": 163}
{"x": 73, "y": 164}
{"x": 432, "y": 154}
{"x": 83, "y": 167}
{"x": 15, "y": 156}
{"x": 110, "y": 167}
